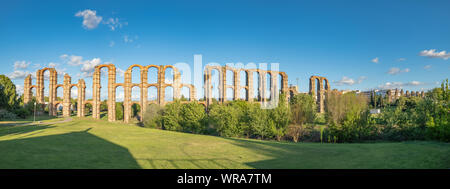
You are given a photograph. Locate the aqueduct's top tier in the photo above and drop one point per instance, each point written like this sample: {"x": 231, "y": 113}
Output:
{"x": 160, "y": 85}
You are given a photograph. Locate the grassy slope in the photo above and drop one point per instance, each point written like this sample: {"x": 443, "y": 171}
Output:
{"x": 86, "y": 143}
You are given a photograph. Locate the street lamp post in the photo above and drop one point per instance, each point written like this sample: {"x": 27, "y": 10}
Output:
{"x": 34, "y": 119}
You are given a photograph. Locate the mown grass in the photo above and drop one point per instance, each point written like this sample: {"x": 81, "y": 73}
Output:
{"x": 88, "y": 143}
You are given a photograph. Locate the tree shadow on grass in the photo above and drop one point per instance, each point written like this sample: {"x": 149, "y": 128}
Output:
{"x": 21, "y": 129}
{"x": 284, "y": 155}
{"x": 79, "y": 150}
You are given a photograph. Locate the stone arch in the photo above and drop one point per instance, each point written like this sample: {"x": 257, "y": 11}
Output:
{"x": 140, "y": 73}
{"x": 152, "y": 70}
{"x": 318, "y": 89}
{"x": 111, "y": 91}
{"x": 59, "y": 92}
{"x": 268, "y": 86}
{"x": 257, "y": 86}
{"x": 40, "y": 77}
{"x": 168, "y": 96}
{"x": 186, "y": 92}
{"x": 152, "y": 93}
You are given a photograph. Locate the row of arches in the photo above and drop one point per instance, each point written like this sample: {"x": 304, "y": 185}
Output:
{"x": 226, "y": 83}
{"x": 153, "y": 84}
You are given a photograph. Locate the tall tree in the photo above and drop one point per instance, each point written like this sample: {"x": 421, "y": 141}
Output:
{"x": 8, "y": 94}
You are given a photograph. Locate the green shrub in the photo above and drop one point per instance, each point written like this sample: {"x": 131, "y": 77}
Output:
{"x": 348, "y": 117}
{"x": 119, "y": 111}
{"x": 6, "y": 115}
{"x": 193, "y": 118}
{"x": 153, "y": 116}
{"x": 171, "y": 117}
{"x": 225, "y": 120}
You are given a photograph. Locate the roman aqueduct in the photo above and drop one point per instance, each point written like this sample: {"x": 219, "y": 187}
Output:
{"x": 247, "y": 90}
{"x": 267, "y": 89}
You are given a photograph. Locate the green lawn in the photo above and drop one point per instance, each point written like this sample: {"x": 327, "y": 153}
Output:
{"x": 88, "y": 143}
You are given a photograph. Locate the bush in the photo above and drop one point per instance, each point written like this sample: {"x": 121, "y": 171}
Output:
{"x": 6, "y": 115}
{"x": 171, "y": 117}
{"x": 294, "y": 132}
{"x": 225, "y": 120}
{"x": 348, "y": 117}
{"x": 280, "y": 116}
{"x": 119, "y": 111}
{"x": 303, "y": 109}
{"x": 193, "y": 118}
{"x": 153, "y": 116}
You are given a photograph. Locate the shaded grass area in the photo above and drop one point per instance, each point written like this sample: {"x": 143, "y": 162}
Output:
{"x": 88, "y": 143}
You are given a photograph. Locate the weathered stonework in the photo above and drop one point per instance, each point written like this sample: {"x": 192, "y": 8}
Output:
{"x": 249, "y": 88}
{"x": 319, "y": 92}
{"x": 160, "y": 85}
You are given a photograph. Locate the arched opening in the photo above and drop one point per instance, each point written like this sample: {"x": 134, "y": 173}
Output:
{"x": 317, "y": 92}
{"x": 152, "y": 94}
{"x": 243, "y": 78}
{"x": 135, "y": 75}
{"x": 152, "y": 75}
{"x": 136, "y": 111}
{"x": 279, "y": 88}
{"x": 256, "y": 86}
{"x": 244, "y": 94}
{"x": 58, "y": 109}
{"x": 46, "y": 85}
{"x": 103, "y": 111}
{"x": 87, "y": 109}
{"x": 268, "y": 86}
{"x": 215, "y": 81}
{"x": 185, "y": 94}
{"x": 73, "y": 100}
{"x": 120, "y": 95}
{"x": 168, "y": 75}
{"x": 168, "y": 96}
{"x": 59, "y": 93}
{"x": 135, "y": 94}
{"x": 230, "y": 93}
{"x": 230, "y": 77}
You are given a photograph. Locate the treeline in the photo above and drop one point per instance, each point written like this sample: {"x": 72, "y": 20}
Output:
{"x": 347, "y": 118}
{"x": 233, "y": 119}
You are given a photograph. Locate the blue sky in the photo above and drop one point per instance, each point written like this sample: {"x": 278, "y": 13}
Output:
{"x": 355, "y": 44}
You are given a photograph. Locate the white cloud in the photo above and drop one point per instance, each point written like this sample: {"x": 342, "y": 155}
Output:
{"x": 427, "y": 67}
{"x": 90, "y": 18}
{"x": 120, "y": 72}
{"x": 87, "y": 66}
{"x": 18, "y": 74}
{"x": 111, "y": 44}
{"x": 375, "y": 60}
{"x": 52, "y": 65}
{"x": 401, "y": 59}
{"x": 20, "y": 65}
{"x": 19, "y": 89}
{"x": 433, "y": 54}
{"x": 349, "y": 81}
{"x": 393, "y": 85}
{"x": 128, "y": 39}
{"x": 114, "y": 23}
{"x": 395, "y": 71}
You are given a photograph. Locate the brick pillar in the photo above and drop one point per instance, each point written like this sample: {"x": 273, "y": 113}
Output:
{"x": 236, "y": 84}
{"x": 111, "y": 93}
{"x": 144, "y": 92}
{"x": 127, "y": 97}
{"x": 223, "y": 85}
{"x": 66, "y": 95}
{"x": 27, "y": 89}
{"x": 81, "y": 86}
{"x": 250, "y": 88}
{"x": 161, "y": 86}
